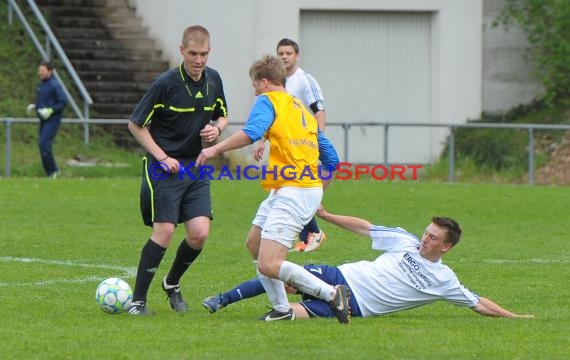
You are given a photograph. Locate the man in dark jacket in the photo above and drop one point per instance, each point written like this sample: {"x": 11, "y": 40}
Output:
{"x": 50, "y": 102}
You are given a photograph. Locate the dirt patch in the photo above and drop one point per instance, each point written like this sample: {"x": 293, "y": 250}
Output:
{"x": 557, "y": 169}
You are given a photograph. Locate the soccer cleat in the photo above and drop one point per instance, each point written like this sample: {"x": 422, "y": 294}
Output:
{"x": 339, "y": 304}
{"x": 275, "y": 315}
{"x": 315, "y": 240}
{"x": 138, "y": 308}
{"x": 299, "y": 247}
{"x": 214, "y": 303}
{"x": 173, "y": 293}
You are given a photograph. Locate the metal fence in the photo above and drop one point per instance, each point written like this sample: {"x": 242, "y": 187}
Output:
{"x": 531, "y": 128}
{"x": 347, "y": 127}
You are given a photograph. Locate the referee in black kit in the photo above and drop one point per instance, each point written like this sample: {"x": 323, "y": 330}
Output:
{"x": 183, "y": 108}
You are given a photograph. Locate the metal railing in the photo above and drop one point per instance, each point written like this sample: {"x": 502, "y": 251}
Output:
{"x": 451, "y": 138}
{"x": 51, "y": 41}
{"x": 531, "y": 128}
{"x": 8, "y": 122}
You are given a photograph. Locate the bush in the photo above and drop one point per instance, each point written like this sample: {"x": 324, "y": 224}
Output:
{"x": 502, "y": 149}
{"x": 495, "y": 149}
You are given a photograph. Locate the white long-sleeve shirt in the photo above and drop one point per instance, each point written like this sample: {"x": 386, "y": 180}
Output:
{"x": 401, "y": 278}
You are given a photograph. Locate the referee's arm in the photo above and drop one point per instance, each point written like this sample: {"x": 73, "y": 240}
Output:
{"x": 142, "y": 135}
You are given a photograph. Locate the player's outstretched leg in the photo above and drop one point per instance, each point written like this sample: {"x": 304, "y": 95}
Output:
{"x": 214, "y": 303}
{"x": 245, "y": 290}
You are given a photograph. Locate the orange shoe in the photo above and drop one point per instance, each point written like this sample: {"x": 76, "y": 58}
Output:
{"x": 299, "y": 247}
{"x": 315, "y": 240}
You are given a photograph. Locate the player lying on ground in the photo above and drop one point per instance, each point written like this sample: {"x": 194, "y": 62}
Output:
{"x": 408, "y": 274}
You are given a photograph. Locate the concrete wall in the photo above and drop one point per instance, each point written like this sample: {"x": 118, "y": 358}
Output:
{"x": 508, "y": 78}
{"x": 243, "y": 30}
{"x": 475, "y": 68}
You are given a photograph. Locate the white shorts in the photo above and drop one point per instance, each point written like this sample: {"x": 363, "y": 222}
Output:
{"x": 286, "y": 210}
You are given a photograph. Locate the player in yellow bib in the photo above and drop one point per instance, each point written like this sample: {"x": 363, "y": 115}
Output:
{"x": 294, "y": 149}
{"x": 295, "y": 189}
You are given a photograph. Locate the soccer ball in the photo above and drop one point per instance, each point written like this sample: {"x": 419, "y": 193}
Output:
{"x": 114, "y": 295}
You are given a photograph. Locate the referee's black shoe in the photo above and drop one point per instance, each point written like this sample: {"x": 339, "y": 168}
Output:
{"x": 174, "y": 296}
{"x": 138, "y": 308}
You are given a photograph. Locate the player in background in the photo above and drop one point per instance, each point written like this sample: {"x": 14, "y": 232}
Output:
{"x": 301, "y": 84}
{"x": 304, "y": 87}
{"x": 408, "y": 274}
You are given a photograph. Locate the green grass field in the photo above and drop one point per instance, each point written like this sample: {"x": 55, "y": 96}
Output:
{"x": 60, "y": 238}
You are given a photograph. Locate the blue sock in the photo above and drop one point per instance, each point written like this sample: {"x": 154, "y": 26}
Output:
{"x": 245, "y": 290}
{"x": 310, "y": 227}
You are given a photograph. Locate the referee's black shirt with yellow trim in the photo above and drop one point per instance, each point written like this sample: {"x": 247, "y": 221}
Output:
{"x": 175, "y": 108}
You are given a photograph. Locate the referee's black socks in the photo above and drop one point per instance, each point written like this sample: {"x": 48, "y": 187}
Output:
{"x": 185, "y": 256}
{"x": 151, "y": 256}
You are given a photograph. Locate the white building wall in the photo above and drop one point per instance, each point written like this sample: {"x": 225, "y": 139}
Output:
{"x": 243, "y": 30}
{"x": 378, "y": 70}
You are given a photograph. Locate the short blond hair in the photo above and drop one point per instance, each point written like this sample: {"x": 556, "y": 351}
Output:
{"x": 270, "y": 68}
{"x": 196, "y": 33}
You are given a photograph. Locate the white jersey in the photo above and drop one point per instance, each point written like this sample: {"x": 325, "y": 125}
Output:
{"x": 401, "y": 278}
{"x": 305, "y": 88}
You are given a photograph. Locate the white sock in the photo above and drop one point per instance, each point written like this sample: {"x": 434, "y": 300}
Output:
{"x": 275, "y": 290}
{"x": 302, "y": 280}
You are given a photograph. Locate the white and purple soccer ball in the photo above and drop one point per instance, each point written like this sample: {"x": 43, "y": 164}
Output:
{"x": 114, "y": 295}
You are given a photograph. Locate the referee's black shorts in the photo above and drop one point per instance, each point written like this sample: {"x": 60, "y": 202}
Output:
{"x": 173, "y": 198}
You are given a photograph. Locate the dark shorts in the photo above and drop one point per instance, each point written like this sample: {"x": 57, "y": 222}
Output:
{"x": 331, "y": 275}
{"x": 173, "y": 198}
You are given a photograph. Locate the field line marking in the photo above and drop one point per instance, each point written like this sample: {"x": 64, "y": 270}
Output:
{"x": 51, "y": 282}
{"x": 127, "y": 272}
{"x": 514, "y": 261}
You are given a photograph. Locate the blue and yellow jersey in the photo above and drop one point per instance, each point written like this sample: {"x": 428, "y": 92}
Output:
{"x": 293, "y": 135}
